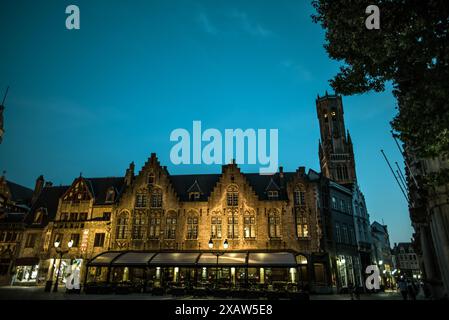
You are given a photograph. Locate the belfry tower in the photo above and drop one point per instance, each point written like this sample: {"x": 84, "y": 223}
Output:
{"x": 335, "y": 147}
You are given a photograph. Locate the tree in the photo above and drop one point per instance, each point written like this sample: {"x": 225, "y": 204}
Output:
{"x": 410, "y": 50}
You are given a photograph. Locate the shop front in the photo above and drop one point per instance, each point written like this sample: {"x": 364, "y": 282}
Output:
{"x": 26, "y": 272}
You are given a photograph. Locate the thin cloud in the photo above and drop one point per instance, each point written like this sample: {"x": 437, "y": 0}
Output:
{"x": 298, "y": 69}
{"x": 206, "y": 24}
{"x": 249, "y": 26}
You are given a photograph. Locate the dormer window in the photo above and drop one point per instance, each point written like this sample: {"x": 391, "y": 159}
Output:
{"x": 194, "y": 196}
{"x": 38, "y": 217}
{"x": 110, "y": 195}
{"x": 273, "y": 195}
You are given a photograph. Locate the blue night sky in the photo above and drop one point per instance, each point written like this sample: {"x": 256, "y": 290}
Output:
{"x": 95, "y": 99}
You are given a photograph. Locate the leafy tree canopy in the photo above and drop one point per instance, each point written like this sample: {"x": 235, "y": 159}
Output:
{"x": 410, "y": 49}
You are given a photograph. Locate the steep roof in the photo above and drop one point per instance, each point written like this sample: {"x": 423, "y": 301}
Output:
{"x": 19, "y": 193}
{"x": 182, "y": 184}
{"x": 48, "y": 199}
{"x": 100, "y": 186}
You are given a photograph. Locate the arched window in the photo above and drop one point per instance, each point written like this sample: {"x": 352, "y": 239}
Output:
{"x": 141, "y": 200}
{"x": 155, "y": 226}
{"x": 274, "y": 223}
{"x": 300, "y": 259}
{"x": 232, "y": 196}
{"x": 192, "y": 227}
{"x": 302, "y": 224}
{"x": 249, "y": 226}
{"x": 215, "y": 228}
{"x": 299, "y": 196}
{"x": 138, "y": 223}
{"x": 156, "y": 198}
{"x": 122, "y": 226}
{"x": 170, "y": 227}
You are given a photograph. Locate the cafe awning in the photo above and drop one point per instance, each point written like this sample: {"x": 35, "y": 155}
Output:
{"x": 133, "y": 259}
{"x": 195, "y": 259}
{"x": 228, "y": 259}
{"x": 169, "y": 259}
{"x": 105, "y": 258}
{"x": 272, "y": 259}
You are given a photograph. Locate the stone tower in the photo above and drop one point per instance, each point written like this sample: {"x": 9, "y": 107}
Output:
{"x": 335, "y": 147}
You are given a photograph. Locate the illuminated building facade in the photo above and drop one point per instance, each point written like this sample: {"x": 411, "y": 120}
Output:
{"x": 153, "y": 229}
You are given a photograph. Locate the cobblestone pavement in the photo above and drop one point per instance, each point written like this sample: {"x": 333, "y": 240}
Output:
{"x": 38, "y": 293}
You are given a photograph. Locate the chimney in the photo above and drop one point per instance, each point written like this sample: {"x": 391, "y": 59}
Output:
{"x": 129, "y": 175}
{"x": 48, "y": 184}
{"x": 38, "y": 188}
{"x": 302, "y": 170}
{"x": 281, "y": 171}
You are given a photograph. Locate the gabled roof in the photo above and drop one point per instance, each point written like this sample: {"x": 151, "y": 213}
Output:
{"x": 100, "y": 186}
{"x": 195, "y": 187}
{"x": 272, "y": 186}
{"x": 48, "y": 199}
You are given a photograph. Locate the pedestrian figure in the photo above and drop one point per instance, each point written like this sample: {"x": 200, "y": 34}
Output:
{"x": 403, "y": 288}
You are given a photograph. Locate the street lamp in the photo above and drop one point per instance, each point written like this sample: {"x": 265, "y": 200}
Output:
{"x": 61, "y": 253}
{"x": 217, "y": 254}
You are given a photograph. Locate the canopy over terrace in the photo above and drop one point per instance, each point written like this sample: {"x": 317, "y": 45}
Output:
{"x": 283, "y": 259}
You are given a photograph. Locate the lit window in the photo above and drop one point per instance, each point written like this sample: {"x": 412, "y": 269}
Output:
{"x": 110, "y": 195}
{"x": 249, "y": 226}
{"x": 232, "y": 196}
{"x": 138, "y": 223}
{"x": 273, "y": 195}
{"x": 122, "y": 226}
{"x": 302, "y": 225}
{"x": 274, "y": 222}
{"x": 155, "y": 227}
{"x": 233, "y": 227}
{"x": 192, "y": 228}
{"x": 170, "y": 228}
{"x": 215, "y": 228}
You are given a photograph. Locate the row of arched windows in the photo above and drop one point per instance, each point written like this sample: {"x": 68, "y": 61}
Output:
{"x": 154, "y": 226}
